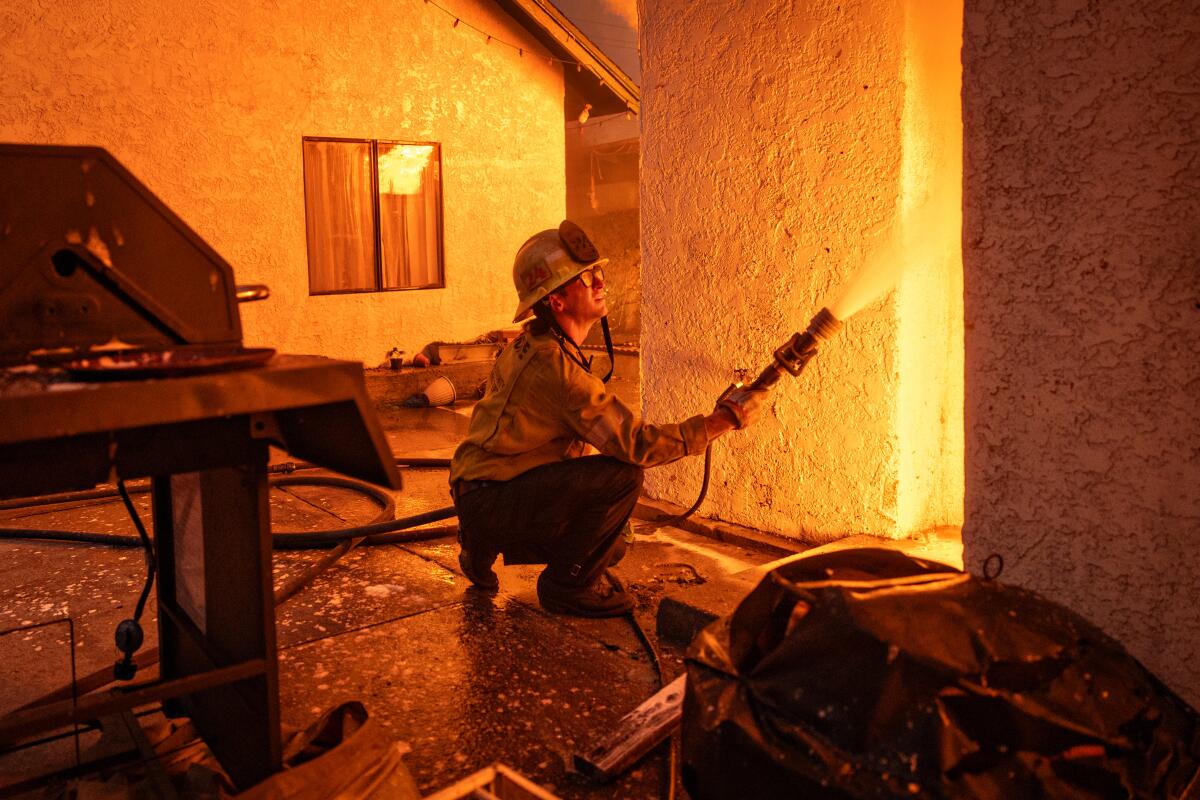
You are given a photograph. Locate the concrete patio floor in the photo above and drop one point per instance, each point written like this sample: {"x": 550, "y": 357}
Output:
{"x": 459, "y": 678}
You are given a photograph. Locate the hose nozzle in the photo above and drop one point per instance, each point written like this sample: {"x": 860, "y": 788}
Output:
{"x": 793, "y": 355}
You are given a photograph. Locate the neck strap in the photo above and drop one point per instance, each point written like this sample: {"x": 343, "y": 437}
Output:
{"x": 608, "y": 346}
{"x": 567, "y": 345}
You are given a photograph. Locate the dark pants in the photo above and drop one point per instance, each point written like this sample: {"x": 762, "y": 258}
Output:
{"x": 567, "y": 515}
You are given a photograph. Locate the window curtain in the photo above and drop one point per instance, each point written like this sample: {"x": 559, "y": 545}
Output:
{"x": 341, "y": 227}
{"x": 410, "y": 207}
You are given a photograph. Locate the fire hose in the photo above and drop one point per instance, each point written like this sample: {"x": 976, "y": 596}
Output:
{"x": 382, "y": 530}
{"x": 375, "y": 532}
{"x": 791, "y": 357}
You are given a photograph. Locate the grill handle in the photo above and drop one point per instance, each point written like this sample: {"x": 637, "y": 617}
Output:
{"x": 250, "y": 292}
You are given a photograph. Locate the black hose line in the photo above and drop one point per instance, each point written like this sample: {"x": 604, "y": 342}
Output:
{"x": 373, "y": 533}
{"x": 676, "y": 520}
{"x": 672, "y": 771}
{"x": 137, "y": 487}
{"x": 381, "y": 497}
{"x": 75, "y": 537}
{"x": 401, "y": 461}
{"x": 390, "y": 532}
{"x": 147, "y": 546}
{"x": 291, "y": 540}
{"x": 381, "y": 530}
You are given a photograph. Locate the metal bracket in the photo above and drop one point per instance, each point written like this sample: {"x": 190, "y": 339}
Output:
{"x": 263, "y": 425}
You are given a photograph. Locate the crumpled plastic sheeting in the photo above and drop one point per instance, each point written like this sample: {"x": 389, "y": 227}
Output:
{"x": 871, "y": 674}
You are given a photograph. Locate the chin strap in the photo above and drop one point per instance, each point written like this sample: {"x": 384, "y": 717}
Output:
{"x": 578, "y": 357}
{"x": 612, "y": 361}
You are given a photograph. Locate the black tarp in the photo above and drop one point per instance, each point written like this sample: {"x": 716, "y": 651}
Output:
{"x": 870, "y": 674}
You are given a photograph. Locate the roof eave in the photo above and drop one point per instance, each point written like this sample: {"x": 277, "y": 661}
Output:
{"x": 566, "y": 41}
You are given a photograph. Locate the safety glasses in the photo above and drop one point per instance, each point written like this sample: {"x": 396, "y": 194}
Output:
{"x": 590, "y": 276}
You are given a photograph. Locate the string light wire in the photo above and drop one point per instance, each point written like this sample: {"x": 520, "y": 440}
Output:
{"x": 491, "y": 37}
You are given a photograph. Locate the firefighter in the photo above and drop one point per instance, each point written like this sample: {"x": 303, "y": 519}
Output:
{"x": 521, "y": 482}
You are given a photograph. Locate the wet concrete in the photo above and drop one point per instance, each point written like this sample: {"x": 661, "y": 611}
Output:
{"x": 460, "y": 678}
{"x": 94, "y": 587}
{"x": 464, "y": 678}
{"x": 481, "y": 680}
{"x": 370, "y": 586}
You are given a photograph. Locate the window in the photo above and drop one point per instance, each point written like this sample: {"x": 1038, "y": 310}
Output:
{"x": 373, "y": 212}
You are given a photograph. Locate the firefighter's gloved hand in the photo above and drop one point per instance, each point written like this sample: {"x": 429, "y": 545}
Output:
{"x": 744, "y": 403}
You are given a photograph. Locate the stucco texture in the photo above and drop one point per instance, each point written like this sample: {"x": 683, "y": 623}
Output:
{"x": 771, "y": 157}
{"x": 207, "y": 104}
{"x": 1082, "y": 304}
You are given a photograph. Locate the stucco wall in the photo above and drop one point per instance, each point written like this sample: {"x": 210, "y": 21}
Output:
{"x": 771, "y": 155}
{"x": 207, "y": 104}
{"x": 1082, "y": 292}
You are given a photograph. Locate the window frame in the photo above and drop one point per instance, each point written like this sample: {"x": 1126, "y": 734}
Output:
{"x": 441, "y": 220}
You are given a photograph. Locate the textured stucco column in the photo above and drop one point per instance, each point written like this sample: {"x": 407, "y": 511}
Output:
{"x": 207, "y": 104}
{"x": 780, "y": 148}
{"x": 1081, "y": 240}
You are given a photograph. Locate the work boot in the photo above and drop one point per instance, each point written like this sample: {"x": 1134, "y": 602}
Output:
{"x": 598, "y": 599}
{"x": 477, "y": 571}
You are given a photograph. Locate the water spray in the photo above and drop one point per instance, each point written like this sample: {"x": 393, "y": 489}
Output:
{"x": 877, "y": 276}
{"x": 875, "y": 279}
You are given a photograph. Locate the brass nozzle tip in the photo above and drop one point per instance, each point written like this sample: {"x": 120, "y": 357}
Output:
{"x": 824, "y": 324}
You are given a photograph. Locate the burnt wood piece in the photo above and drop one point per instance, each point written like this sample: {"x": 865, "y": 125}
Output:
{"x": 636, "y": 734}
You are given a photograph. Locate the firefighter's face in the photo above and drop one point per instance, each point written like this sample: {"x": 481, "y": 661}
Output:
{"x": 582, "y": 302}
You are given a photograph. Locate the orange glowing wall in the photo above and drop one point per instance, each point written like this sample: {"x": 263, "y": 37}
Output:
{"x": 207, "y": 104}
{"x": 785, "y": 146}
{"x": 929, "y": 307}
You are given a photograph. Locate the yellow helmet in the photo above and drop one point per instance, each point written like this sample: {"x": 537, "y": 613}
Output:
{"x": 548, "y": 260}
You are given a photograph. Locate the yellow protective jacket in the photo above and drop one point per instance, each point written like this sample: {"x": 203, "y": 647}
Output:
{"x": 541, "y": 407}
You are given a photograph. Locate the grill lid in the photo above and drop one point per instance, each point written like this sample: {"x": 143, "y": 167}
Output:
{"x": 90, "y": 259}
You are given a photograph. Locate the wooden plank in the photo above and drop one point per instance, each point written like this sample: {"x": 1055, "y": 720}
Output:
{"x": 635, "y": 734}
{"x": 463, "y": 788}
{"x": 512, "y": 785}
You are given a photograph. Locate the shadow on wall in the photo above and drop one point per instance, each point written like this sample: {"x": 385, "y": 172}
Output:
{"x": 1082, "y": 354}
